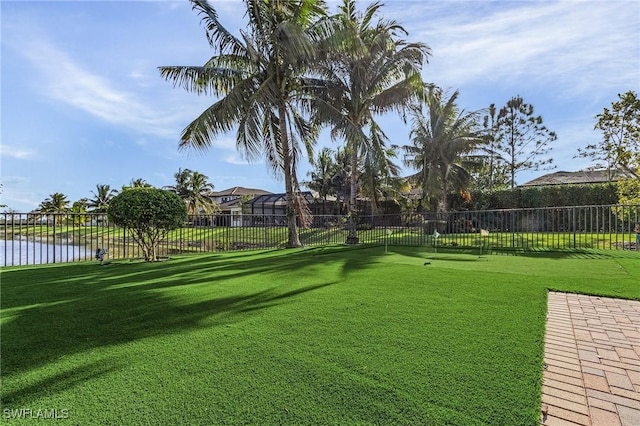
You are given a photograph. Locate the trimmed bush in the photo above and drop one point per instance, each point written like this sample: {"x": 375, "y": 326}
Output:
{"x": 539, "y": 196}
{"x": 149, "y": 214}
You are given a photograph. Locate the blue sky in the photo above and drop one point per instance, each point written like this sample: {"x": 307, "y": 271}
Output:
{"x": 83, "y": 103}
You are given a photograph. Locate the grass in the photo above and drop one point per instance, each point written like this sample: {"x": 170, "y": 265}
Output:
{"x": 309, "y": 336}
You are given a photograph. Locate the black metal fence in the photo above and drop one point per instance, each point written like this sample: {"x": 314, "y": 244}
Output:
{"x": 28, "y": 238}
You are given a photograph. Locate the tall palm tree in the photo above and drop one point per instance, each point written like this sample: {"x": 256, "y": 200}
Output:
{"x": 260, "y": 80}
{"x": 443, "y": 142}
{"x": 101, "y": 198}
{"x": 373, "y": 72}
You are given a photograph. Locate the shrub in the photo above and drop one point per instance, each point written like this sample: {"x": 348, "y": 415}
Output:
{"x": 149, "y": 214}
{"x": 629, "y": 197}
{"x": 541, "y": 196}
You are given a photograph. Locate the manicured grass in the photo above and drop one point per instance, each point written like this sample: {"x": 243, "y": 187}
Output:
{"x": 309, "y": 336}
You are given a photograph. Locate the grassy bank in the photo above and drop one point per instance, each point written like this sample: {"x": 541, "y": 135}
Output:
{"x": 215, "y": 239}
{"x": 311, "y": 336}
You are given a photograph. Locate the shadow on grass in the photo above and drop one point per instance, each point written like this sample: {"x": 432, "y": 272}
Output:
{"x": 59, "y": 382}
{"x": 53, "y": 312}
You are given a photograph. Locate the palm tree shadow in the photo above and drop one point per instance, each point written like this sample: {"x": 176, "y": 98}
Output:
{"x": 52, "y": 320}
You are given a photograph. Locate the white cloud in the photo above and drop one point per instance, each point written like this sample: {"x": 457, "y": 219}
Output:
{"x": 15, "y": 193}
{"x": 74, "y": 84}
{"x": 571, "y": 44}
{"x": 16, "y": 152}
{"x": 229, "y": 144}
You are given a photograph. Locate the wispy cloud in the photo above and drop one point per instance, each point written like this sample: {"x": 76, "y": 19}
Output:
{"x": 15, "y": 191}
{"x": 75, "y": 84}
{"x": 16, "y": 152}
{"x": 567, "y": 43}
{"x": 228, "y": 144}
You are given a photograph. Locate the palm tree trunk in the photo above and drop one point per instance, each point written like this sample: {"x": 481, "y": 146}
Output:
{"x": 293, "y": 240}
{"x": 352, "y": 238}
{"x": 443, "y": 204}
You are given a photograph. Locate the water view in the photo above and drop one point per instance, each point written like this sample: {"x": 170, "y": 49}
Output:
{"x": 20, "y": 252}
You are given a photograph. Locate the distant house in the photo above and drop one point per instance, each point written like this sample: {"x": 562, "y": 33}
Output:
{"x": 577, "y": 178}
{"x": 235, "y": 193}
{"x": 230, "y": 203}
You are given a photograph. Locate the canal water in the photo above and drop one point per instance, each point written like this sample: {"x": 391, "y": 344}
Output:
{"x": 20, "y": 252}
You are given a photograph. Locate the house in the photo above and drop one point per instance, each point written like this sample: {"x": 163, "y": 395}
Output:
{"x": 230, "y": 202}
{"x": 235, "y": 193}
{"x": 578, "y": 178}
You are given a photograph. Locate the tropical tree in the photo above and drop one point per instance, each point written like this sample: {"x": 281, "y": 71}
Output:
{"x": 149, "y": 214}
{"x": 196, "y": 196}
{"x": 101, "y": 198}
{"x": 443, "y": 142}
{"x": 78, "y": 212}
{"x": 372, "y": 72}
{"x": 522, "y": 141}
{"x": 182, "y": 178}
{"x": 262, "y": 81}
{"x": 321, "y": 176}
{"x": 137, "y": 183}
{"x": 341, "y": 180}
{"x": 620, "y": 144}
{"x": 193, "y": 188}
{"x": 379, "y": 177}
{"x": 56, "y": 204}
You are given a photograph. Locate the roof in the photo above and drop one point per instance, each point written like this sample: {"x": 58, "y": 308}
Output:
{"x": 238, "y": 191}
{"x": 236, "y": 202}
{"x": 579, "y": 177}
{"x": 279, "y": 199}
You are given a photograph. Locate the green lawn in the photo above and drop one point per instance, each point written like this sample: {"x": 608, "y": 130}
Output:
{"x": 309, "y": 336}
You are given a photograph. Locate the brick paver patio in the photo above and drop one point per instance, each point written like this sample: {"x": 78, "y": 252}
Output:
{"x": 592, "y": 361}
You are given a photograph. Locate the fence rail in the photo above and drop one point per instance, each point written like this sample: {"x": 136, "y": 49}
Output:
{"x": 28, "y": 238}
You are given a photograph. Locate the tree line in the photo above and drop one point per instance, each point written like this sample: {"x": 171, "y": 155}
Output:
{"x": 296, "y": 68}
{"x": 192, "y": 187}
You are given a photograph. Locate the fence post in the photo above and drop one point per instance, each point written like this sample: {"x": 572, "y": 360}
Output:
{"x": 573, "y": 211}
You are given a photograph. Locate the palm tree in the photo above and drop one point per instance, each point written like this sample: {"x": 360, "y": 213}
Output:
{"x": 78, "y": 212}
{"x": 101, "y": 198}
{"x": 56, "y": 204}
{"x": 341, "y": 181}
{"x": 443, "y": 142}
{"x": 321, "y": 176}
{"x": 373, "y": 72}
{"x": 182, "y": 178}
{"x": 196, "y": 194}
{"x": 193, "y": 188}
{"x": 260, "y": 79}
{"x": 139, "y": 183}
{"x": 379, "y": 177}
